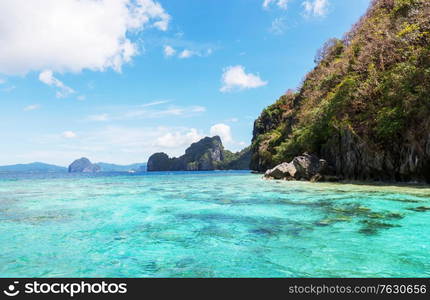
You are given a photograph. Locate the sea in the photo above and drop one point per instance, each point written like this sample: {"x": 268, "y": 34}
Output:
{"x": 209, "y": 224}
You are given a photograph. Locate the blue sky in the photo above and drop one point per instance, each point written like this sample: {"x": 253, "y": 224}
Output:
{"x": 117, "y": 80}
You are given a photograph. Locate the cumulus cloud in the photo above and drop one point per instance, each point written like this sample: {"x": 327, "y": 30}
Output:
{"x": 73, "y": 35}
{"x": 316, "y": 8}
{"x": 180, "y": 48}
{"x": 48, "y": 78}
{"x": 280, "y": 3}
{"x": 223, "y": 131}
{"x": 116, "y": 144}
{"x": 32, "y": 107}
{"x": 178, "y": 138}
{"x": 119, "y": 144}
{"x": 169, "y": 51}
{"x": 235, "y": 78}
{"x": 187, "y": 53}
{"x": 69, "y": 135}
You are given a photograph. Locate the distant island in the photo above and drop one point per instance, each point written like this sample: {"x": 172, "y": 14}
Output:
{"x": 107, "y": 167}
{"x": 208, "y": 154}
{"x": 84, "y": 165}
{"x": 38, "y": 167}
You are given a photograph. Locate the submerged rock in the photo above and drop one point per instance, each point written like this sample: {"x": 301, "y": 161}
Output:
{"x": 420, "y": 209}
{"x": 330, "y": 221}
{"x": 373, "y": 227}
{"x": 83, "y": 165}
{"x": 394, "y": 216}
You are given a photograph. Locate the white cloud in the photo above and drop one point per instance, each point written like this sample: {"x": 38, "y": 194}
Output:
{"x": 48, "y": 78}
{"x": 223, "y": 131}
{"x": 159, "y": 113}
{"x": 117, "y": 144}
{"x": 280, "y": 3}
{"x": 32, "y": 107}
{"x": 316, "y": 8}
{"x": 2, "y": 81}
{"x": 178, "y": 139}
{"x": 187, "y": 53}
{"x": 120, "y": 144}
{"x": 154, "y": 103}
{"x": 198, "y": 109}
{"x": 278, "y": 26}
{"x": 169, "y": 51}
{"x": 73, "y": 35}
{"x": 8, "y": 89}
{"x": 81, "y": 98}
{"x": 143, "y": 112}
{"x": 235, "y": 77}
{"x": 69, "y": 135}
{"x": 98, "y": 118}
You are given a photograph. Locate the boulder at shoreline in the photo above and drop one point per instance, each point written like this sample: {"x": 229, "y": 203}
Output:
{"x": 306, "y": 167}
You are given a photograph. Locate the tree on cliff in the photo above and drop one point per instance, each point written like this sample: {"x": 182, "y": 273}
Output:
{"x": 365, "y": 107}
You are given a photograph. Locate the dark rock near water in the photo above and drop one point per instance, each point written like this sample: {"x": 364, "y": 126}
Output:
{"x": 159, "y": 162}
{"x": 83, "y": 165}
{"x": 206, "y": 155}
{"x": 305, "y": 167}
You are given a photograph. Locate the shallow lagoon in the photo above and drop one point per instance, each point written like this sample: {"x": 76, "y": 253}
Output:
{"x": 209, "y": 224}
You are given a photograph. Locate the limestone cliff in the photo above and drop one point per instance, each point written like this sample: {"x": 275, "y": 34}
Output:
{"x": 83, "y": 165}
{"x": 206, "y": 155}
{"x": 365, "y": 108}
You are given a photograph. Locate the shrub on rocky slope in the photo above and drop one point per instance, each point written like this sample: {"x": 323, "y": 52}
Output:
{"x": 365, "y": 107}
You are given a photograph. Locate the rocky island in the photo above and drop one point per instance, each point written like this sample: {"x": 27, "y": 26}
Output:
{"x": 364, "y": 109}
{"x": 83, "y": 165}
{"x": 207, "y": 154}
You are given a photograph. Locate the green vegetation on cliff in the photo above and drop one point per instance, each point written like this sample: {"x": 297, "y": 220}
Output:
{"x": 366, "y": 105}
{"x": 205, "y": 155}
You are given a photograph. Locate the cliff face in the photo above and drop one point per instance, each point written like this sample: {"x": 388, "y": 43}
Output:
{"x": 365, "y": 108}
{"x": 206, "y": 155}
{"x": 83, "y": 165}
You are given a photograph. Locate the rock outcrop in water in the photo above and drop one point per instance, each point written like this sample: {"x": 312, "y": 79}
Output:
{"x": 305, "y": 167}
{"x": 83, "y": 165}
{"x": 206, "y": 155}
{"x": 365, "y": 108}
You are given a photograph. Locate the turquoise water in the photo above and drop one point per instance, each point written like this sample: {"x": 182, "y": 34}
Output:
{"x": 214, "y": 224}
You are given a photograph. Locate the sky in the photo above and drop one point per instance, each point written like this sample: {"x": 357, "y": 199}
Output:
{"x": 118, "y": 80}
